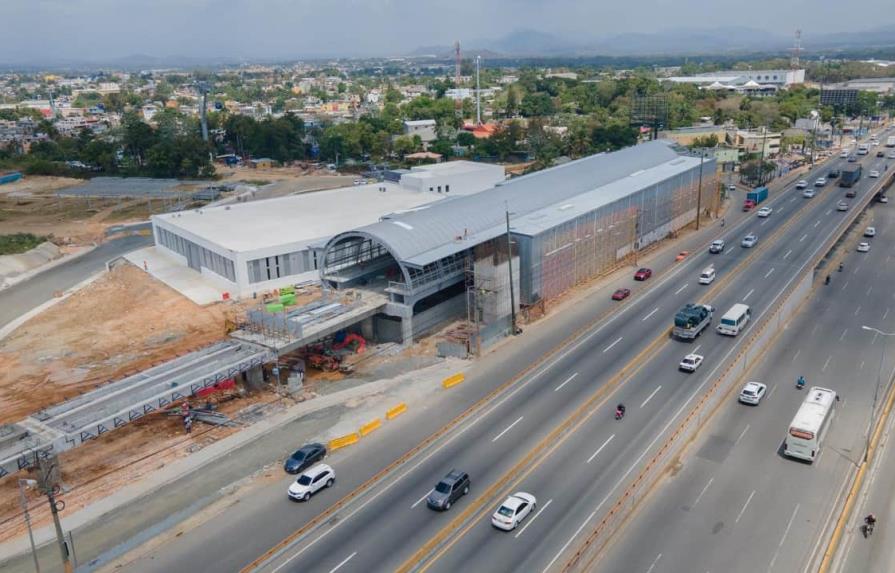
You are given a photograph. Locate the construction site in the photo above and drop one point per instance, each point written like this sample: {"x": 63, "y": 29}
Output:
{"x": 120, "y": 371}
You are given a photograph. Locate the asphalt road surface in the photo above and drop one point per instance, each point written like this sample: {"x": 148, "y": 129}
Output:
{"x": 738, "y": 504}
{"x": 27, "y": 295}
{"x": 571, "y": 475}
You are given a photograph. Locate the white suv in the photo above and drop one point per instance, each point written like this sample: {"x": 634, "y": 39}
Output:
{"x": 801, "y": 184}
{"x": 752, "y": 393}
{"x": 311, "y": 481}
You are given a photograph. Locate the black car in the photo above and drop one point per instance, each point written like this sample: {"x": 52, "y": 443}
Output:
{"x": 304, "y": 457}
{"x": 833, "y": 174}
{"x": 451, "y": 487}
{"x": 880, "y": 153}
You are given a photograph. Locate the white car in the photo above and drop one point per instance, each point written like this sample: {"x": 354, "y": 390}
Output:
{"x": 752, "y": 393}
{"x": 801, "y": 184}
{"x": 808, "y": 193}
{"x": 731, "y": 188}
{"x": 883, "y": 199}
{"x": 843, "y": 154}
{"x": 863, "y": 247}
{"x": 749, "y": 241}
{"x": 870, "y": 232}
{"x": 891, "y": 155}
{"x": 691, "y": 362}
{"x": 874, "y": 174}
{"x": 717, "y": 246}
{"x": 842, "y": 206}
{"x": 513, "y": 510}
{"x": 311, "y": 481}
{"x": 765, "y": 212}
{"x": 820, "y": 182}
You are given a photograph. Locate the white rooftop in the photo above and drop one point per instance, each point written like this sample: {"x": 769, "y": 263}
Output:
{"x": 451, "y": 168}
{"x": 299, "y": 218}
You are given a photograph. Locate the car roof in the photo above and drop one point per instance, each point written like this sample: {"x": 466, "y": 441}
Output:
{"x": 454, "y": 475}
{"x": 753, "y": 386}
{"x": 514, "y": 501}
{"x": 316, "y": 470}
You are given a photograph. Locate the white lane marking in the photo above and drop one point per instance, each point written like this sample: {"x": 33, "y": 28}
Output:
{"x": 571, "y": 539}
{"x": 845, "y": 285}
{"x": 533, "y": 518}
{"x": 507, "y": 429}
{"x": 347, "y": 559}
{"x": 654, "y": 311}
{"x": 743, "y": 433}
{"x": 771, "y": 393}
{"x": 762, "y": 223}
{"x": 816, "y": 224}
{"x": 841, "y": 336}
{"x": 789, "y": 252}
{"x": 653, "y": 566}
{"x": 619, "y": 339}
{"x": 420, "y": 500}
{"x": 796, "y": 355}
{"x": 857, "y": 310}
{"x": 861, "y": 367}
{"x": 805, "y": 236}
{"x": 783, "y": 537}
{"x": 792, "y": 199}
{"x": 650, "y": 397}
{"x": 827, "y": 363}
{"x": 869, "y": 290}
{"x": 748, "y": 294}
{"x": 828, "y": 211}
{"x": 745, "y": 505}
{"x": 698, "y": 346}
{"x": 569, "y": 379}
{"x": 888, "y": 258}
{"x": 885, "y": 314}
{"x": 600, "y": 449}
{"x": 678, "y": 291}
{"x": 770, "y": 272}
{"x": 698, "y": 497}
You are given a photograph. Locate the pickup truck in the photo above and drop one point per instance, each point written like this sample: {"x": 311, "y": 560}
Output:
{"x": 691, "y": 320}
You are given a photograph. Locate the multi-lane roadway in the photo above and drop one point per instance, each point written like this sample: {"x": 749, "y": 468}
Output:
{"x": 551, "y": 432}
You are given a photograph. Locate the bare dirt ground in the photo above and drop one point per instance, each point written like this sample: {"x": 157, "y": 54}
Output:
{"x": 286, "y": 180}
{"x": 30, "y": 205}
{"x": 124, "y": 322}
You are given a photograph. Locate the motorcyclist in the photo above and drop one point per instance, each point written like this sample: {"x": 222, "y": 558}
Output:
{"x": 619, "y": 410}
{"x": 841, "y": 266}
{"x": 722, "y": 222}
{"x": 800, "y": 382}
{"x": 869, "y": 522}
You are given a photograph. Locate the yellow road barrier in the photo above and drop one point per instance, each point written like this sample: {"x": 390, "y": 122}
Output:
{"x": 369, "y": 427}
{"x": 452, "y": 381}
{"x": 343, "y": 441}
{"x": 395, "y": 411}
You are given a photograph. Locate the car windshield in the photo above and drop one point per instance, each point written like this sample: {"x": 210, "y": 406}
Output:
{"x": 304, "y": 480}
{"x": 505, "y": 511}
{"x": 299, "y": 455}
{"x": 443, "y": 487}
{"x": 689, "y": 361}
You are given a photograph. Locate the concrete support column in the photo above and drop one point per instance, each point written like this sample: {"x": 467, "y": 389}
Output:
{"x": 366, "y": 328}
{"x": 407, "y": 330}
{"x": 254, "y": 379}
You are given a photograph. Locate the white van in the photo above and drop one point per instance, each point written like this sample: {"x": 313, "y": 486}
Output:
{"x": 707, "y": 276}
{"x": 735, "y": 320}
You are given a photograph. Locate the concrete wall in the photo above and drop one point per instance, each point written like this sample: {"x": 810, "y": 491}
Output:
{"x": 439, "y": 315}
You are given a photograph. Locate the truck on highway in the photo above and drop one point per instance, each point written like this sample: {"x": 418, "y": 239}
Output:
{"x": 850, "y": 175}
{"x": 863, "y": 149}
{"x": 691, "y": 320}
{"x": 890, "y": 141}
{"x": 755, "y": 197}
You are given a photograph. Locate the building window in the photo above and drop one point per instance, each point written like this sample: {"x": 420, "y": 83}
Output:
{"x": 439, "y": 188}
{"x": 431, "y": 189}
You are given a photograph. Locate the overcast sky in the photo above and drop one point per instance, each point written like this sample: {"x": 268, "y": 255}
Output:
{"x": 35, "y": 30}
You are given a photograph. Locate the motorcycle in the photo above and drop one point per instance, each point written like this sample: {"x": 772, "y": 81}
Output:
{"x": 619, "y": 413}
{"x": 800, "y": 383}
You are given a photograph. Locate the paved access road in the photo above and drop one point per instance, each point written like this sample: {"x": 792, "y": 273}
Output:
{"x": 738, "y": 504}
{"x": 383, "y": 527}
{"x": 27, "y": 295}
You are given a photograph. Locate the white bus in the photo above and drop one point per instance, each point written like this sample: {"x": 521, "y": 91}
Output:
{"x": 735, "y": 319}
{"x": 890, "y": 141}
{"x": 806, "y": 432}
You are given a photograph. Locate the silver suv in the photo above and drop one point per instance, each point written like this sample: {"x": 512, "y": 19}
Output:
{"x": 717, "y": 246}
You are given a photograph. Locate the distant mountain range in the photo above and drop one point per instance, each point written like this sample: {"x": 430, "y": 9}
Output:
{"x": 678, "y": 41}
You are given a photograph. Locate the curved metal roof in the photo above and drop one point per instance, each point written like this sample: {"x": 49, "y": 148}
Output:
{"x": 432, "y": 232}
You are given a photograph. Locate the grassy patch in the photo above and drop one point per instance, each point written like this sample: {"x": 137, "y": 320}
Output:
{"x": 19, "y": 243}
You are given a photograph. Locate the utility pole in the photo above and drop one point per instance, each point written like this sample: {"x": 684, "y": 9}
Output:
{"x": 49, "y": 471}
{"x": 510, "y": 267}
{"x": 764, "y": 144}
{"x": 24, "y": 501}
{"x": 699, "y": 192}
{"x": 478, "y": 96}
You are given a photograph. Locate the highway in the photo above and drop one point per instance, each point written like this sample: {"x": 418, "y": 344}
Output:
{"x": 738, "y": 504}
{"x": 517, "y": 439}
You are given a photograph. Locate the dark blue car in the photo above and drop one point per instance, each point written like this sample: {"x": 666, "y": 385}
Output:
{"x": 304, "y": 457}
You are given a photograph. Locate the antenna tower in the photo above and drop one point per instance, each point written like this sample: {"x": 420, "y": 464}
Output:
{"x": 796, "y": 51}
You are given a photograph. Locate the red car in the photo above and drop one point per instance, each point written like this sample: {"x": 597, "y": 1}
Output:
{"x": 643, "y": 274}
{"x": 621, "y": 294}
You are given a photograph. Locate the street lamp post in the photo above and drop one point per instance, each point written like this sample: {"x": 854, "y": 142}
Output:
{"x": 23, "y": 483}
{"x": 879, "y": 376}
